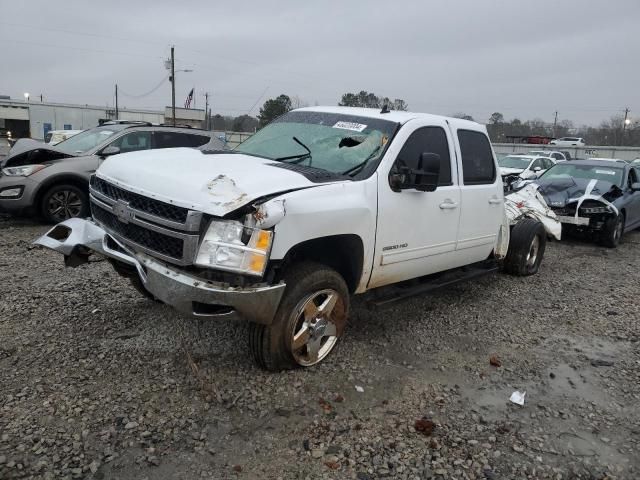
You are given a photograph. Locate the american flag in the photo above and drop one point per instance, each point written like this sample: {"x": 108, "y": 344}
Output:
{"x": 187, "y": 102}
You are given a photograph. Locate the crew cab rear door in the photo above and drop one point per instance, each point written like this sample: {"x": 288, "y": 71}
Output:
{"x": 416, "y": 230}
{"x": 482, "y": 202}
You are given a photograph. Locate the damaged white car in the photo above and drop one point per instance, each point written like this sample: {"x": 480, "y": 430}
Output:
{"x": 322, "y": 203}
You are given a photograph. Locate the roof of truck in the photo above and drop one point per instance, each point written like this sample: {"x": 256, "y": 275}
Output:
{"x": 392, "y": 116}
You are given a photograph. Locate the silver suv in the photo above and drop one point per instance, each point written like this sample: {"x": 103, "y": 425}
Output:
{"x": 53, "y": 181}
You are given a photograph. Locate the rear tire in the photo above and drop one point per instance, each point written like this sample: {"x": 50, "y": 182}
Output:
{"x": 526, "y": 248}
{"x": 309, "y": 321}
{"x": 612, "y": 233}
{"x": 62, "y": 202}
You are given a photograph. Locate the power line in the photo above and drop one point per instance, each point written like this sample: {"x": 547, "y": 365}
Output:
{"x": 92, "y": 50}
{"x": 75, "y": 32}
{"x": 154, "y": 89}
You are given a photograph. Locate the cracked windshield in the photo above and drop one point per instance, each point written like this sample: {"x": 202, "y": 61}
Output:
{"x": 337, "y": 143}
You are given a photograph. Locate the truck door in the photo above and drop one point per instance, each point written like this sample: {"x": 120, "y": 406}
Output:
{"x": 481, "y": 193}
{"x": 416, "y": 231}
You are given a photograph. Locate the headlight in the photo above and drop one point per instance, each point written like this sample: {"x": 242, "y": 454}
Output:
{"x": 229, "y": 245}
{"x": 594, "y": 210}
{"x": 23, "y": 171}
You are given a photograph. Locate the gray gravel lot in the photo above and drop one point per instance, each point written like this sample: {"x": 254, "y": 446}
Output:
{"x": 98, "y": 382}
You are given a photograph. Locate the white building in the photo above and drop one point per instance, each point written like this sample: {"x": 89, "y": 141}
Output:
{"x": 34, "y": 119}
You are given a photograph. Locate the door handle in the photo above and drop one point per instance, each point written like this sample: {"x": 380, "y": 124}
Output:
{"x": 495, "y": 201}
{"x": 448, "y": 205}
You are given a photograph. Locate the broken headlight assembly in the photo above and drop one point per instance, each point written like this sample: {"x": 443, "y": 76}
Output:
{"x": 235, "y": 247}
{"x": 23, "y": 171}
{"x": 594, "y": 210}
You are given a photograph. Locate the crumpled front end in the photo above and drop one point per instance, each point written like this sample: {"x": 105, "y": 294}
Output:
{"x": 584, "y": 204}
{"x": 528, "y": 202}
{"x": 187, "y": 293}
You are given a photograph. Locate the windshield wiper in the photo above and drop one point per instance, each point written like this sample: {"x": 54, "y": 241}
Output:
{"x": 298, "y": 158}
{"x": 356, "y": 169}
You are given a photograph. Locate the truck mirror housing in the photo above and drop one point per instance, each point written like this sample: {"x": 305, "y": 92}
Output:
{"x": 423, "y": 178}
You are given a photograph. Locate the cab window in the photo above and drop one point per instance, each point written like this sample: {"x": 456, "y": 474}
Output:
{"x": 633, "y": 177}
{"x": 537, "y": 163}
{"x": 177, "y": 139}
{"x": 427, "y": 140}
{"x": 478, "y": 167}
{"x": 133, "y": 141}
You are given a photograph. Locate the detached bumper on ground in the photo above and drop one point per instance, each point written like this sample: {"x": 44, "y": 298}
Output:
{"x": 188, "y": 294}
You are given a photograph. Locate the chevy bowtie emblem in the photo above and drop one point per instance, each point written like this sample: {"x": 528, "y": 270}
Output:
{"x": 122, "y": 211}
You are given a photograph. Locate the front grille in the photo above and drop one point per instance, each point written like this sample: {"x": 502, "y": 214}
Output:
{"x": 140, "y": 202}
{"x": 157, "y": 242}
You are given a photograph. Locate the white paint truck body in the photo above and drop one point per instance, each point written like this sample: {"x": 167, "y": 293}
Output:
{"x": 371, "y": 198}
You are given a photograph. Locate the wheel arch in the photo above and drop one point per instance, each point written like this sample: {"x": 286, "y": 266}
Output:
{"x": 61, "y": 179}
{"x": 343, "y": 252}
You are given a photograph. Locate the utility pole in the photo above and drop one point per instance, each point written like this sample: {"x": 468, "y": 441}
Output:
{"x": 555, "y": 122}
{"x": 173, "y": 87}
{"x": 117, "y": 113}
{"x": 625, "y": 123}
{"x": 206, "y": 111}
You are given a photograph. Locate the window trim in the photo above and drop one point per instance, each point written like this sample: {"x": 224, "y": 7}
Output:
{"x": 493, "y": 158}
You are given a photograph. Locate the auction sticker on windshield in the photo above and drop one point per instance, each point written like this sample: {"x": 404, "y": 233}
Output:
{"x": 606, "y": 172}
{"x": 356, "y": 127}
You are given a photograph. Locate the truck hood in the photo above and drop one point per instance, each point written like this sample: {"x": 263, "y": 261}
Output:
{"x": 214, "y": 183}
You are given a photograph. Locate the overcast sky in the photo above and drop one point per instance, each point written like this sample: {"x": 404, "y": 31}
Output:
{"x": 525, "y": 59}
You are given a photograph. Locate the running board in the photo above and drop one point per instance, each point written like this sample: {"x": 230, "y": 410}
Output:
{"x": 429, "y": 284}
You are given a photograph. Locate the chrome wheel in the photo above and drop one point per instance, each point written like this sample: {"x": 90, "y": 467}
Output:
{"x": 315, "y": 331}
{"x": 64, "y": 204}
{"x": 532, "y": 256}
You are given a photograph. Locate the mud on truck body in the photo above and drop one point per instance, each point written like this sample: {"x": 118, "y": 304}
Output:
{"x": 323, "y": 203}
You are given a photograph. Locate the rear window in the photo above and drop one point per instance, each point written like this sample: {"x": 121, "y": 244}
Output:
{"x": 566, "y": 170}
{"x": 478, "y": 167}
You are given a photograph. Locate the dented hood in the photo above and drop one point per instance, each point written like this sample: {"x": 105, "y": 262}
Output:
{"x": 216, "y": 184}
{"x": 24, "y": 145}
{"x": 558, "y": 192}
{"x": 510, "y": 171}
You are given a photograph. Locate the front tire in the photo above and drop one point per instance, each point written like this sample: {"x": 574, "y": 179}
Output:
{"x": 612, "y": 233}
{"x": 62, "y": 202}
{"x": 309, "y": 321}
{"x": 526, "y": 248}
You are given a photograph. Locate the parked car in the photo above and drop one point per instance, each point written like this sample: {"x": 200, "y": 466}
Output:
{"x": 321, "y": 203}
{"x": 53, "y": 181}
{"x": 598, "y": 196}
{"x": 557, "y": 156}
{"x": 53, "y": 137}
{"x": 522, "y": 167}
{"x": 568, "y": 142}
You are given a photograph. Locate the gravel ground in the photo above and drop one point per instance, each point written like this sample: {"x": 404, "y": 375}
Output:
{"x": 98, "y": 382}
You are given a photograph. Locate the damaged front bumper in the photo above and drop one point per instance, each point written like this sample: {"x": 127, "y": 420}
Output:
{"x": 193, "y": 296}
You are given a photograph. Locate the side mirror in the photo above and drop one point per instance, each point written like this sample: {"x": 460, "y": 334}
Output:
{"x": 635, "y": 186}
{"x": 536, "y": 169}
{"x": 424, "y": 178}
{"x": 110, "y": 150}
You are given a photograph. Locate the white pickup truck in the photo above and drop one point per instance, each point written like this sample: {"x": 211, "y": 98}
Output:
{"x": 322, "y": 203}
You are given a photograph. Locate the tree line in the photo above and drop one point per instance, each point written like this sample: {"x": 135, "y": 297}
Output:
{"x": 608, "y": 132}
